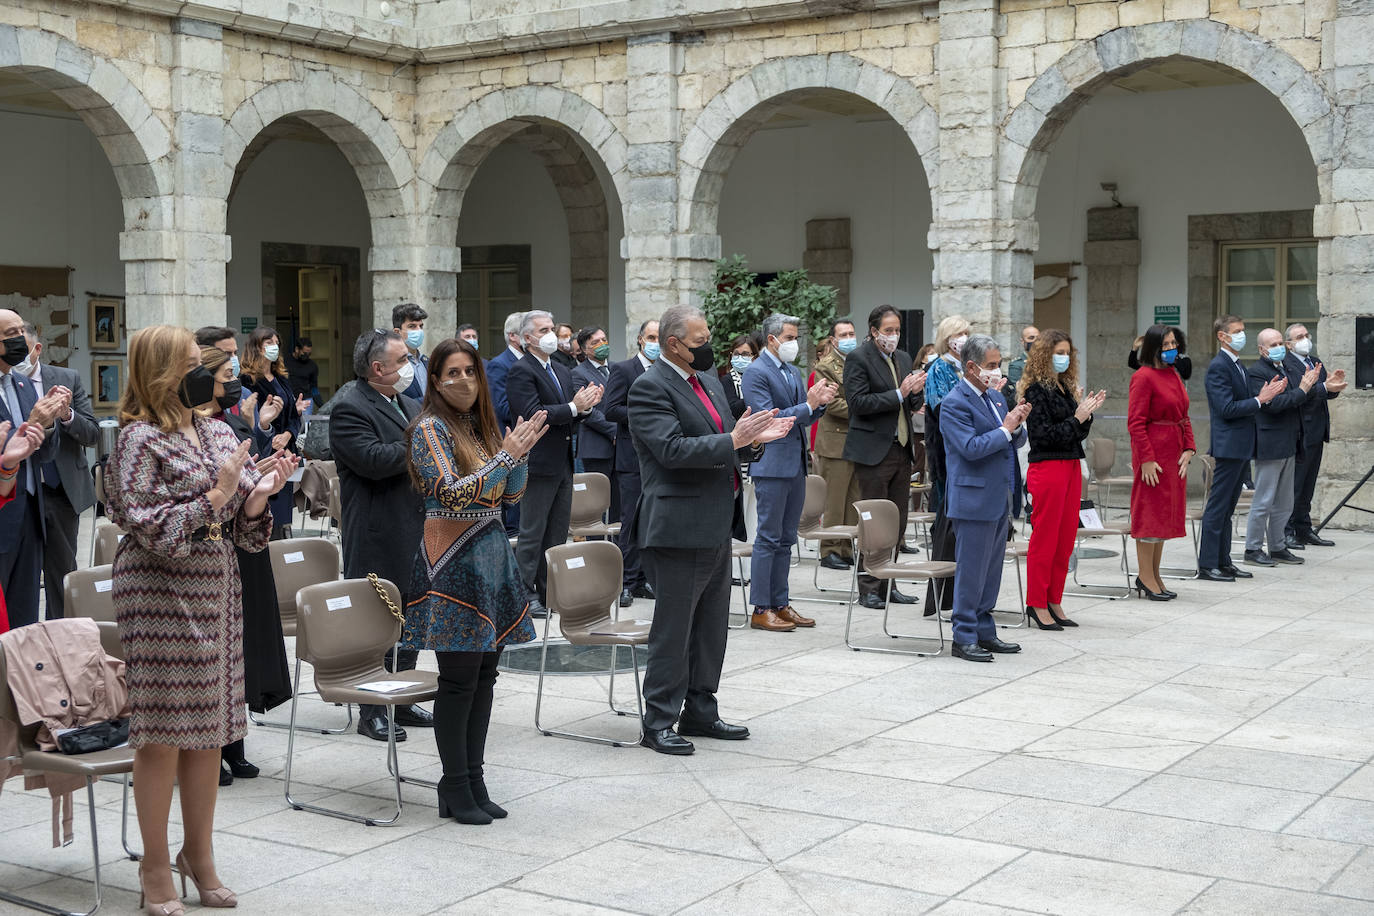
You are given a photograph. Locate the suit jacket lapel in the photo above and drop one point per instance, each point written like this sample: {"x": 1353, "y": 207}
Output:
{"x": 678, "y": 382}
{"x": 383, "y": 404}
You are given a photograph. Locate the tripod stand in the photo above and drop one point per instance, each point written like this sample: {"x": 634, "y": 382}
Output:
{"x": 1345, "y": 499}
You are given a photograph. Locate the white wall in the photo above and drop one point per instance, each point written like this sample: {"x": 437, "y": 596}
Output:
{"x": 1228, "y": 149}
{"x": 61, "y": 209}
{"x": 866, "y": 170}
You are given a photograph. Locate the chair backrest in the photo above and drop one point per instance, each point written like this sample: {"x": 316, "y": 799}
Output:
{"x": 1104, "y": 456}
{"x": 584, "y": 581}
{"x": 1209, "y": 470}
{"x": 89, "y": 593}
{"x": 107, "y": 537}
{"x": 813, "y": 507}
{"x": 879, "y": 527}
{"x": 343, "y": 628}
{"x": 298, "y": 562}
{"x": 98, "y": 475}
{"x": 335, "y": 501}
{"x": 109, "y": 639}
{"x": 591, "y": 497}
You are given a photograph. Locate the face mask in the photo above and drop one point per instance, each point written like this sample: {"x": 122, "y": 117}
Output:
{"x": 740, "y": 363}
{"x": 988, "y": 376}
{"x": 1303, "y": 347}
{"x": 234, "y": 364}
{"x": 930, "y": 358}
{"x": 651, "y": 350}
{"x": 702, "y": 357}
{"x": 846, "y": 345}
{"x": 271, "y": 351}
{"x": 602, "y": 352}
{"x": 1238, "y": 341}
{"x": 565, "y": 344}
{"x": 1277, "y": 352}
{"x": 415, "y": 338}
{"x": 473, "y": 342}
{"x": 1169, "y": 355}
{"x": 957, "y": 344}
{"x": 16, "y": 349}
{"x": 197, "y": 387}
{"x": 788, "y": 349}
{"x": 888, "y": 342}
{"x": 1027, "y": 345}
{"x": 27, "y": 367}
{"x": 548, "y": 343}
{"x": 460, "y": 393}
{"x": 1061, "y": 362}
{"x": 407, "y": 376}
{"x": 233, "y": 390}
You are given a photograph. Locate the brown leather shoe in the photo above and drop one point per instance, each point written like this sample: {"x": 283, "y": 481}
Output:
{"x": 769, "y": 619}
{"x": 790, "y": 614}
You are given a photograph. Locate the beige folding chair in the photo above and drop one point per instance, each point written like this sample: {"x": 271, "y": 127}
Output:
{"x": 1106, "y": 530}
{"x": 342, "y": 629}
{"x": 591, "y": 499}
{"x": 809, "y": 528}
{"x": 1194, "y": 515}
{"x": 879, "y": 531}
{"x": 296, "y": 563}
{"x": 584, "y": 584}
{"x": 739, "y": 552}
{"x": 92, "y": 766}
{"x": 105, "y": 542}
{"x": 89, "y": 593}
{"x": 1103, "y": 459}
{"x": 1017, "y": 551}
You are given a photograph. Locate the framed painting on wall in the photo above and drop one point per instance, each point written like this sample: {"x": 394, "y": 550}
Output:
{"x": 107, "y": 382}
{"x": 106, "y": 328}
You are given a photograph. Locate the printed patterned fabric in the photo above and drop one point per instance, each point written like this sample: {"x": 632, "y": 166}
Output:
{"x": 467, "y": 594}
{"x": 178, "y": 600}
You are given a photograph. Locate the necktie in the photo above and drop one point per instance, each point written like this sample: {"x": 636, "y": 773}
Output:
{"x": 554, "y": 375}
{"x": 396, "y": 402}
{"x": 1308, "y": 361}
{"x": 987, "y": 399}
{"x": 789, "y": 380}
{"x": 715, "y": 417}
{"x": 605, "y": 371}
{"x": 16, "y": 418}
{"x": 902, "y": 435}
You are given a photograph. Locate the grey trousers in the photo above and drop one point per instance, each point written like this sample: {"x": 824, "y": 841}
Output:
{"x": 545, "y": 511}
{"x": 687, "y": 638}
{"x": 1272, "y": 504}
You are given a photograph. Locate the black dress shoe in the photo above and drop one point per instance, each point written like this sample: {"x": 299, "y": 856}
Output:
{"x": 873, "y": 601}
{"x": 537, "y": 609}
{"x": 1258, "y": 558}
{"x": 374, "y": 727}
{"x": 1213, "y": 574}
{"x": 239, "y": 769}
{"x": 834, "y": 561}
{"x": 896, "y": 597}
{"x": 643, "y": 590}
{"x": 667, "y": 741}
{"x": 1292, "y": 543}
{"x": 970, "y": 652}
{"x": 1316, "y": 540}
{"x": 414, "y": 716}
{"x": 626, "y": 598}
{"x": 996, "y": 645}
{"x": 1286, "y": 556}
{"x": 904, "y": 547}
{"x": 1237, "y": 572}
{"x": 226, "y": 778}
{"x": 722, "y": 731}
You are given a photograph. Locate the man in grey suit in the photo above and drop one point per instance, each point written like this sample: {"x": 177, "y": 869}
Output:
{"x": 67, "y": 487}
{"x": 689, "y": 505}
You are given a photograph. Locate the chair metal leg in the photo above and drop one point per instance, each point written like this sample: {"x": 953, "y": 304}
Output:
{"x": 1125, "y": 590}
{"x": 1179, "y": 572}
{"x": 610, "y": 688}
{"x": 1021, "y": 611}
{"x": 30, "y": 903}
{"x": 815, "y": 582}
{"x": 743, "y": 598}
{"x": 124, "y": 821}
{"x": 594, "y": 739}
{"x": 263, "y": 723}
{"x": 939, "y": 639}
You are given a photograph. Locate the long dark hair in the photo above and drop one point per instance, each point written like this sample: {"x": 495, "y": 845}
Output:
{"x": 1153, "y": 342}
{"x": 255, "y": 364}
{"x": 484, "y": 424}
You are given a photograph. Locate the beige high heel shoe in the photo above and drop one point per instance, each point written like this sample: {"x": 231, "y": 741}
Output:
{"x": 170, "y": 908}
{"x": 218, "y": 897}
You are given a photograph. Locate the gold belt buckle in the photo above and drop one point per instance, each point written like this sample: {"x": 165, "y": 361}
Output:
{"x": 214, "y": 534}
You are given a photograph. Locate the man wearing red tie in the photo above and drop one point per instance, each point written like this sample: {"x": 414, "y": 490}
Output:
{"x": 688, "y": 447}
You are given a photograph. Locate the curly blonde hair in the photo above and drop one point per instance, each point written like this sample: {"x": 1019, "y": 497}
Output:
{"x": 1040, "y": 364}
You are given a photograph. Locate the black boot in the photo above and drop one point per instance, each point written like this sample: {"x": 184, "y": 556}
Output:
{"x": 458, "y": 673}
{"x": 478, "y": 721}
{"x": 232, "y": 754}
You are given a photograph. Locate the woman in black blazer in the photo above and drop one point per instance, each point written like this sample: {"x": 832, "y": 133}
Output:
{"x": 743, "y": 351}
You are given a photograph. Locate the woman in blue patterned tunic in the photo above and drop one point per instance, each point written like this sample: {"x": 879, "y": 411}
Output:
{"x": 467, "y": 598}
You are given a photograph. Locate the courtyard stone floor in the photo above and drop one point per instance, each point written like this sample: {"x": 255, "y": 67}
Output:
{"x": 1207, "y": 755}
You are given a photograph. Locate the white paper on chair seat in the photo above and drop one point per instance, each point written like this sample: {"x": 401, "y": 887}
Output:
{"x": 866, "y": 516}
{"x": 1088, "y": 518}
{"x": 118, "y": 538}
{"x": 385, "y": 686}
{"x": 342, "y": 601}
{"x": 579, "y": 486}
{"x": 297, "y": 556}
{"x": 298, "y": 474}
{"x": 104, "y": 585}
{"x": 576, "y": 562}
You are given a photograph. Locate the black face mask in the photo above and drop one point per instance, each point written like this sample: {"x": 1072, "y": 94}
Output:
{"x": 1028, "y": 344}
{"x": 702, "y": 357}
{"x": 197, "y": 387}
{"x": 233, "y": 390}
{"x": 16, "y": 348}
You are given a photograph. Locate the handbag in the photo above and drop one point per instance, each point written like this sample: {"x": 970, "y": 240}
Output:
{"x": 98, "y": 736}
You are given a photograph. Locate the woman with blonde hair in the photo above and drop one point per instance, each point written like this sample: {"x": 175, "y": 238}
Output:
{"x": 185, "y": 494}
{"x": 1056, "y": 427}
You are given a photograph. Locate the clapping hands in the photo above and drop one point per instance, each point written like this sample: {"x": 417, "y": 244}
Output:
{"x": 1087, "y": 406}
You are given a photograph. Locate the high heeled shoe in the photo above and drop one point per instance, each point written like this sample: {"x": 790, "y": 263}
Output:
{"x": 1142, "y": 591}
{"x": 173, "y": 907}
{"x": 1062, "y": 621}
{"x": 1030, "y": 612}
{"x": 217, "y": 897}
{"x": 1165, "y": 592}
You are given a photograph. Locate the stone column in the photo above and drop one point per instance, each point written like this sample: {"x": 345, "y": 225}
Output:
{"x": 424, "y": 274}
{"x": 1111, "y": 261}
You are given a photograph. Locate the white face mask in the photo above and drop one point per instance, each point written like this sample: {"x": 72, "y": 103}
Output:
{"x": 407, "y": 376}
{"x": 988, "y": 376}
{"x": 548, "y": 343}
{"x": 28, "y": 367}
{"x": 271, "y": 351}
{"x": 787, "y": 350}
{"x": 1303, "y": 347}
{"x": 957, "y": 344}
{"x": 888, "y": 342}
{"x": 565, "y": 344}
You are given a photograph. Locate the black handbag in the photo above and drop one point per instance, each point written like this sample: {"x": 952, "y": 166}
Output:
{"x": 99, "y": 736}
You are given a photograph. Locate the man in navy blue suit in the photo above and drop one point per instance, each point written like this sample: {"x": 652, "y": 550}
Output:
{"x": 497, "y": 368}
{"x": 771, "y": 381}
{"x": 981, "y": 438}
{"x": 615, "y": 405}
{"x": 1233, "y": 409}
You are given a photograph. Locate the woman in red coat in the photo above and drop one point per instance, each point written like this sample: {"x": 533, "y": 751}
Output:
{"x": 1161, "y": 447}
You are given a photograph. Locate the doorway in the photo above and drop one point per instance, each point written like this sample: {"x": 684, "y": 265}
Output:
{"x": 310, "y": 305}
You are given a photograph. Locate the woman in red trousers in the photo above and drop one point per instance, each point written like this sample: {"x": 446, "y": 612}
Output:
{"x": 1056, "y": 427}
{"x": 1161, "y": 447}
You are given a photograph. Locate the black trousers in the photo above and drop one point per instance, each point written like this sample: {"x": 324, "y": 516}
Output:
{"x": 633, "y": 570}
{"x": 606, "y": 466}
{"x": 1304, "y": 485}
{"x": 890, "y": 479}
{"x": 21, "y": 568}
{"x": 687, "y": 639}
{"x": 547, "y": 506}
{"x": 1214, "y": 543}
{"x": 404, "y": 660}
{"x": 59, "y": 551}
{"x": 462, "y": 713}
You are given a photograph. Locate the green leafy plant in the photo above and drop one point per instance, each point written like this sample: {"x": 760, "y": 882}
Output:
{"x": 736, "y": 304}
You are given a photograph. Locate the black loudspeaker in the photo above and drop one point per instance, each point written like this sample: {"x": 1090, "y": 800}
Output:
{"x": 914, "y": 331}
{"x": 1364, "y": 351}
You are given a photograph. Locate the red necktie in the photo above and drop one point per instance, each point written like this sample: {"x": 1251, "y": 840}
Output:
{"x": 710, "y": 408}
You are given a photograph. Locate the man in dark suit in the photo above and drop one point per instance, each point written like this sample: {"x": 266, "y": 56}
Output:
{"x": 596, "y": 437}
{"x": 383, "y": 516}
{"x": 497, "y": 368}
{"x": 615, "y": 406}
{"x": 1316, "y": 432}
{"x": 408, "y": 320}
{"x": 883, "y": 391}
{"x": 688, "y": 447}
{"x": 22, "y": 526}
{"x": 1278, "y": 442}
{"x": 981, "y": 438}
{"x": 68, "y": 489}
{"x": 537, "y": 383}
{"x": 1233, "y": 409}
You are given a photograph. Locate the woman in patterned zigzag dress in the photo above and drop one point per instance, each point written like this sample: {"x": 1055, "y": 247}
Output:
{"x": 186, "y": 495}
{"x": 467, "y": 599}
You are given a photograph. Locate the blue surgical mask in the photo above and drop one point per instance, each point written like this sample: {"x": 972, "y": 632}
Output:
{"x": 651, "y": 350}
{"x": 1169, "y": 356}
{"x": 1238, "y": 341}
{"x": 1061, "y": 362}
{"x": 271, "y": 351}
{"x": 740, "y": 363}
{"x": 846, "y": 345}
{"x": 1278, "y": 352}
{"x": 234, "y": 363}
{"x": 415, "y": 339}
{"x": 474, "y": 343}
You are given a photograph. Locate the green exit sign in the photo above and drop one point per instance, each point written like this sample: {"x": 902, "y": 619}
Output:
{"x": 247, "y": 325}
{"x": 1168, "y": 314}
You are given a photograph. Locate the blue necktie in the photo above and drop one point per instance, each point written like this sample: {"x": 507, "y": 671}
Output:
{"x": 987, "y": 399}
{"x": 554, "y": 375}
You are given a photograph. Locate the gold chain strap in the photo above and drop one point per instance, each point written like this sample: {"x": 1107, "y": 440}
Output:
{"x": 386, "y": 599}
